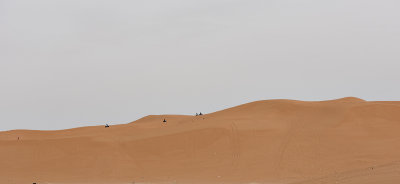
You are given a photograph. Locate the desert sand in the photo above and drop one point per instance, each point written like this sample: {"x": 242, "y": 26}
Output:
{"x": 345, "y": 141}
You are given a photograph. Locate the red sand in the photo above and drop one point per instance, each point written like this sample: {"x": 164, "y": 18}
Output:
{"x": 275, "y": 141}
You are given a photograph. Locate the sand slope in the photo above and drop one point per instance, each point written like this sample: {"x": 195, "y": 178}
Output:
{"x": 347, "y": 141}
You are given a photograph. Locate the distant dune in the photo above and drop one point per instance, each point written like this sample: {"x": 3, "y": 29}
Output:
{"x": 346, "y": 141}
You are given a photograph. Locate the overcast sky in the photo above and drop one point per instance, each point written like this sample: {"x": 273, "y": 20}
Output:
{"x": 70, "y": 63}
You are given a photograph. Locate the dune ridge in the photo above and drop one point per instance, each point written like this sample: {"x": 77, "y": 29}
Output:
{"x": 347, "y": 140}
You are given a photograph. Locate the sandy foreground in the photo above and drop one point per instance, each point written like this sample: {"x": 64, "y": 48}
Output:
{"x": 346, "y": 141}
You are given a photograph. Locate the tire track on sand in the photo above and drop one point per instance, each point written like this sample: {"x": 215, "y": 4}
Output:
{"x": 235, "y": 145}
{"x": 283, "y": 146}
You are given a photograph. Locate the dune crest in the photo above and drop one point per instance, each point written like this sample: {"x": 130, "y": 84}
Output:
{"x": 347, "y": 140}
{"x": 349, "y": 99}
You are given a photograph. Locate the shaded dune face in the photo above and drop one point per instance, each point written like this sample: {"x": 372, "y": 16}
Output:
{"x": 347, "y": 140}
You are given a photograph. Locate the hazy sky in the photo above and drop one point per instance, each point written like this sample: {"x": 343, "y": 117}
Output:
{"x": 69, "y": 63}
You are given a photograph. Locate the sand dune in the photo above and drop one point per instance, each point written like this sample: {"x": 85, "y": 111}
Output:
{"x": 345, "y": 141}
